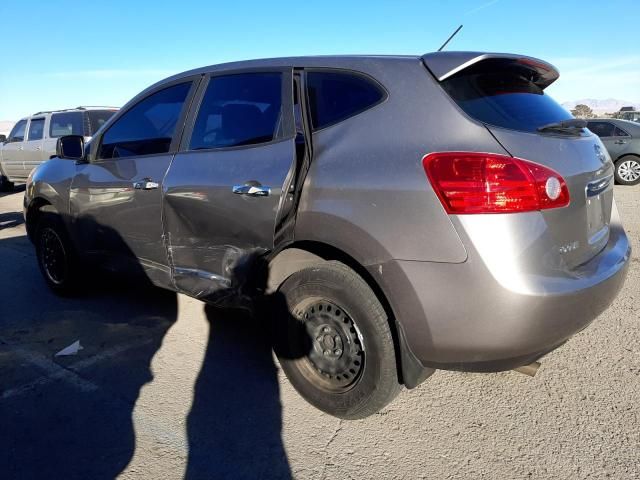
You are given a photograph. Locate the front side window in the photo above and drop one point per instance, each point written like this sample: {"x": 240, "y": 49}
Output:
{"x": 36, "y": 128}
{"x": 238, "y": 110}
{"x": 17, "y": 133}
{"x": 601, "y": 129}
{"x": 148, "y": 127}
{"x": 336, "y": 96}
{"x": 66, "y": 123}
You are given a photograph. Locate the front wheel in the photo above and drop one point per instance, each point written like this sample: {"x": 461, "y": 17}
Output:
{"x": 334, "y": 342}
{"x": 628, "y": 170}
{"x": 56, "y": 256}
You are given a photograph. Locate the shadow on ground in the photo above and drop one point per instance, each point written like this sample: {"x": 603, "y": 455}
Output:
{"x": 71, "y": 417}
{"x": 19, "y": 189}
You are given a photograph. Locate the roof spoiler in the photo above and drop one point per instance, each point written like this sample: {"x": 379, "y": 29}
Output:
{"x": 447, "y": 64}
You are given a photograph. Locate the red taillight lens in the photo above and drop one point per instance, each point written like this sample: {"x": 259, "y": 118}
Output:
{"x": 469, "y": 182}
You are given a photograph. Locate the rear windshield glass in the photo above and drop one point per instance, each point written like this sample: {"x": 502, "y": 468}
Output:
{"x": 97, "y": 118}
{"x": 504, "y": 98}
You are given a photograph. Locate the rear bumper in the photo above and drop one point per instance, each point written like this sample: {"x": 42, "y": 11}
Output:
{"x": 459, "y": 317}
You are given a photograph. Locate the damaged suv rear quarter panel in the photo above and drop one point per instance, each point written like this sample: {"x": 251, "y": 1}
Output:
{"x": 367, "y": 183}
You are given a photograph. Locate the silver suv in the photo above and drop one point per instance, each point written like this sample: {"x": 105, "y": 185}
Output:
{"x": 33, "y": 139}
{"x": 389, "y": 215}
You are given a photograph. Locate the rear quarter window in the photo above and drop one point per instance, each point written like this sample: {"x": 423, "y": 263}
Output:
{"x": 336, "y": 96}
{"x": 95, "y": 119}
{"x": 66, "y": 123}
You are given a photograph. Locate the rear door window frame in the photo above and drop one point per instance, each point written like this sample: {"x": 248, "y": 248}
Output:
{"x": 286, "y": 105}
{"x": 611, "y": 124}
{"x": 28, "y": 132}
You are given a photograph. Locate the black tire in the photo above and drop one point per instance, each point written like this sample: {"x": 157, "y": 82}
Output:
{"x": 329, "y": 308}
{"x": 6, "y": 185}
{"x": 627, "y": 170}
{"x": 57, "y": 258}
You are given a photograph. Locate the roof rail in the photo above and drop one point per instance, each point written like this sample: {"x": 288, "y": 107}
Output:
{"x": 83, "y": 107}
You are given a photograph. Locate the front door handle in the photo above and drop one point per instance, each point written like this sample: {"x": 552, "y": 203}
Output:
{"x": 621, "y": 142}
{"x": 145, "y": 184}
{"x": 252, "y": 190}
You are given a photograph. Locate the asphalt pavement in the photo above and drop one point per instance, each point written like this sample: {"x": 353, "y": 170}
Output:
{"x": 166, "y": 388}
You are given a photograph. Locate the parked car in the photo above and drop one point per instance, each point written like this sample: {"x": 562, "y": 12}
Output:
{"x": 392, "y": 215}
{"x": 33, "y": 139}
{"x": 629, "y": 113}
{"x": 622, "y": 140}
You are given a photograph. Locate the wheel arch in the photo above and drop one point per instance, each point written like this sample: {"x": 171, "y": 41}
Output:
{"x": 303, "y": 254}
{"x": 36, "y": 208}
{"x": 637, "y": 155}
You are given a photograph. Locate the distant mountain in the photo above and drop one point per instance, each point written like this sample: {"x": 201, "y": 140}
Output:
{"x": 609, "y": 105}
{"x": 6, "y": 126}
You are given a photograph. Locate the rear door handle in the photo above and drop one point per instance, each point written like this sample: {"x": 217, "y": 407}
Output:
{"x": 145, "y": 184}
{"x": 621, "y": 142}
{"x": 252, "y": 190}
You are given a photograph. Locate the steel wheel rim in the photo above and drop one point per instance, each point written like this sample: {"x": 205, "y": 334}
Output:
{"x": 54, "y": 256}
{"x": 336, "y": 358}
{"x": 629, "y": 170}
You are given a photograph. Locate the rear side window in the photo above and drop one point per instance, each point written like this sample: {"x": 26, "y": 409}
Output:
{"x": 238, "y": 110}
{"x": 618, "y": 132}
{"x": 148, "y": 127}
{"x": 36, "y": 129}
{"x": 66, "y": 123}
{"x": 602, "y": 129}
{"x": 95, "y": 120}
{"x": 17, "y": 133}
{"x": 503, "y": 97}
{"x": 335, "y": 96}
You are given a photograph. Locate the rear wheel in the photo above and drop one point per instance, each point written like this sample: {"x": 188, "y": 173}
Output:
{"x": 334, "y": 342}
{"x": 628, "y": 170}
{"x": 56, "y": 256}
{"x": 5, "y": 184}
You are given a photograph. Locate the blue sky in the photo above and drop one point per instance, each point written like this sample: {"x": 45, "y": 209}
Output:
{"x": 64, "y": 53}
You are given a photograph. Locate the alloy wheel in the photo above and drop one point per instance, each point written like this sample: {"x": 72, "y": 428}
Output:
{"x": 629, "y": 170}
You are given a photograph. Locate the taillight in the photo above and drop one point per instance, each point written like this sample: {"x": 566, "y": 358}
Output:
{"x": 469, "y": 182}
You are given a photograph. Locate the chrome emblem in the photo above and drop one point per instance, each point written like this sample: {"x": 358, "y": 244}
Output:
{"x": 600, "y": 154}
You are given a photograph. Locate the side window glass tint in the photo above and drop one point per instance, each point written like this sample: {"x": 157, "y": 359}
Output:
{"x": 601, "y": 129}
{"x": 17, "y": 133}
{"x": 242, "y": 109}
{"x": 66, "y": 123}
{"x": 334, "y": 97}
{"x": 97, "y": 118}
{"x": 36, "y": 128}
{"x": 148, "y": 127}
{"x": 618, "y": 132}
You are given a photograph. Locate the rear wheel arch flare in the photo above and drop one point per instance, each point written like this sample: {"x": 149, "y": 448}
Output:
{"x": 303, "y": 254}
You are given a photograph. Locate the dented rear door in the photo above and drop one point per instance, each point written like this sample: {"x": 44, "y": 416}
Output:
{"x": 223, "y": 193}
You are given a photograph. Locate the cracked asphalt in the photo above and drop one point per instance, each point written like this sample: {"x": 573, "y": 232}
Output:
{"x": 166, "y": 388}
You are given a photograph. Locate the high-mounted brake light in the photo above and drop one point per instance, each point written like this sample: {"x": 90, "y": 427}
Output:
{"x": 470, "y": 182}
